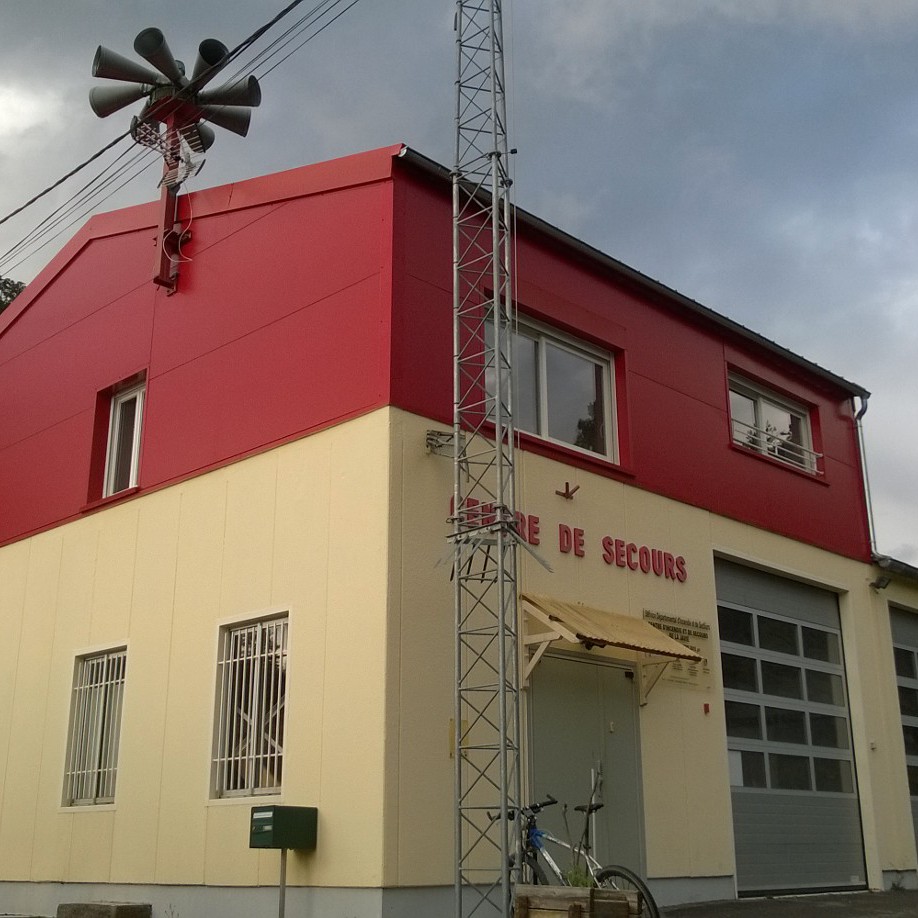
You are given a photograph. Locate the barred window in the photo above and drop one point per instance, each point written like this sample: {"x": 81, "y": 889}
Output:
{"x": 95, "y": 727}
{"x": 248, "y": 756}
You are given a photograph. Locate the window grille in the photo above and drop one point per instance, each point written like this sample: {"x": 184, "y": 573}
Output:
{"x": 95, "y": 728}
{"x": 250, "y": 707}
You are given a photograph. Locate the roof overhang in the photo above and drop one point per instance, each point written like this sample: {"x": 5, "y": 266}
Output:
{"x": 549, "y": 619}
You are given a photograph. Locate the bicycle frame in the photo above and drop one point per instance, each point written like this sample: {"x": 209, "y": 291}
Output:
{"x": 535, "y": 841}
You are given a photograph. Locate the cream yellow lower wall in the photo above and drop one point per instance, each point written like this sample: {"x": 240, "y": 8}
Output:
{"x": 301, "y": 529}
{"x": 346, "y": 531}
{"x": 686, "y": 788}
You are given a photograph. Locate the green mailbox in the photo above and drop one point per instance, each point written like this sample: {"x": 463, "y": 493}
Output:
{"x": 283, "y": 827}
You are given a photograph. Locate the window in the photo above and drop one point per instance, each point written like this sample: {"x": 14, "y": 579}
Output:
{"x": 123, "y": 453}
{"x": 95, "y": 727}
{"x": 907, "y": 679}
{"x": 562, "y": 391}
{"x": 251, "y": 699}
{"x": 784, "y": 700}
{"x": 770, "y": 425}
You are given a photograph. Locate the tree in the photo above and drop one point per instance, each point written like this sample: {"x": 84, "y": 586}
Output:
{"x": 9, "y": 290}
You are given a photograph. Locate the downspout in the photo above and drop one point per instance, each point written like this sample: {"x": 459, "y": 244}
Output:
{"x": 863, "y": 449}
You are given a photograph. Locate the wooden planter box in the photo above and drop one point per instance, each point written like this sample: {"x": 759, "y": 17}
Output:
{"x": 572, "y": 902}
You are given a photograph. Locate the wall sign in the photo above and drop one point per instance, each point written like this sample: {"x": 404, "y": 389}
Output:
{"x": 694, "y": 634}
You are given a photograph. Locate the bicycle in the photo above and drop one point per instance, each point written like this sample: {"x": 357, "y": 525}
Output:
{"x": 612, "y": 876}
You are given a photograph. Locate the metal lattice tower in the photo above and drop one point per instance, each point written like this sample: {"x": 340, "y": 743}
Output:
{"x": 487, "y": 751}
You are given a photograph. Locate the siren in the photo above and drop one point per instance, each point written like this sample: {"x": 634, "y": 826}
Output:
{"x": 113, "y": 66}
{"x": 151, "y": 45}
{"x": 245, "y": 91}
{"x": 212, "y": 55}
{"x": 233, "y": 118}
{"x": 105, "y": 100}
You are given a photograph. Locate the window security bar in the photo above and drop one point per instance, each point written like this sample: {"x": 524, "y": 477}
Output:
{"x": 251, "y": 698}
{"x": 774, "y": 443}
{"x": 95, "y": 727}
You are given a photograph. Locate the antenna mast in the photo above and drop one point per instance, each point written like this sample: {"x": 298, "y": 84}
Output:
{"x": 487, "y": 750}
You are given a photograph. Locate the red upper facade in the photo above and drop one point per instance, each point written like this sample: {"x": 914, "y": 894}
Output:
{"x": 316, "y": 295}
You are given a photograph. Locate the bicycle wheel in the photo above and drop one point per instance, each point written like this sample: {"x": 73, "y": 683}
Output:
{"x": 623, "y": 879}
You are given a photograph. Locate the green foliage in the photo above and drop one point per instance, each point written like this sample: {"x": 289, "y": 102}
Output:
{"x": 9, "y": 290}
{"x": 578, "y": 875}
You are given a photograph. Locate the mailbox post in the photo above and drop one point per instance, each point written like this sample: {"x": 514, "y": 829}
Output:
{"x": 283, "y": 827}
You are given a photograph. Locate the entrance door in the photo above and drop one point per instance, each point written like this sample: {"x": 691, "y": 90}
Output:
{"x": 583, "y": 723}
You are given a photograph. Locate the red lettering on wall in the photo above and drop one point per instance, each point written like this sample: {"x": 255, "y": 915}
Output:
{"x": 630, "y": 552}
{"x": 669, "y": 563}
{"x": 565, "y": 538}
{"x": 681, "y": 573}
{"x": 607, "y": 550}
{"x": 533, "y": 530}
{"x": 656, "y": 560}
{"x": 619, "y": 552}
{"x": 644, "y": 559}
{"x": 578, "y": 543}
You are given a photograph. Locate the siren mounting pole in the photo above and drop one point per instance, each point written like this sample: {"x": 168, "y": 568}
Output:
{"x": 484, "y": 535}
{"x": 170, "y": 235}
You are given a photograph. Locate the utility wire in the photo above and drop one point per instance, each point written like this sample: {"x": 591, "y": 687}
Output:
{"x": 64, "y": 178}
{"x": 75, "y": 202}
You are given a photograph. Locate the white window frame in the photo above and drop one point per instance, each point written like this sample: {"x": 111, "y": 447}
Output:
{"x": 604, "y": 359}
{"x": 768, "y": 443}
{"x": 115, "y": 434}
{"x": 250, "y": 708}
{"x": 97, "y": 699}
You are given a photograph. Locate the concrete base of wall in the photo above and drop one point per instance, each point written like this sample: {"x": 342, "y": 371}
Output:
{"x": 900, "y": 879}
{"x": 685, "y": 890}
{"x": 305, "y": 902}
{"x": 231, "y": 901}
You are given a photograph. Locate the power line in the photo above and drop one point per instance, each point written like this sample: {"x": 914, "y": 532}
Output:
{"x": 48, "y": 223}
{"x": 64, "y": 178}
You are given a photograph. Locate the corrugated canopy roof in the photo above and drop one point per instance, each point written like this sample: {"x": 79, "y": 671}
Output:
{"x": 577, "y": 623}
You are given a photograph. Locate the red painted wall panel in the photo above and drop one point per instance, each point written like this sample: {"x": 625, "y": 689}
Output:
{"x": 280, "y": 327}
{"x": 675, "y": 431}
{"x": 322, "y": 293}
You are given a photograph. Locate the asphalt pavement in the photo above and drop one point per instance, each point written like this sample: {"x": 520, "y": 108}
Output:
{"x": 894, "y": 904}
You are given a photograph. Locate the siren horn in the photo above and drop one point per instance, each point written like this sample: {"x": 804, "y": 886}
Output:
{"x": 244, "y": 91}
{"x": 212, "y": 55}
{"x": 105, "y": 100}
{"x": 151, "y": 45}
{"x": 233, "y": 118}
{"x": 113, "y": 66}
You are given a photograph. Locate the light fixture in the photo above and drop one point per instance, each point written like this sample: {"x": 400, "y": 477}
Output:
{"x": 881, "y": 583}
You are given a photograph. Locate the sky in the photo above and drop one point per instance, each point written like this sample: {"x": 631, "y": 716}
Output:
{"x": 758, "y": 156}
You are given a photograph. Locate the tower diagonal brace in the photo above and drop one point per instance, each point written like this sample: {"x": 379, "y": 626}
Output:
{"x": 484, "y": 536}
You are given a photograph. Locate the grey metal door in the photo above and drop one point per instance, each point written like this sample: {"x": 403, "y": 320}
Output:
{"x": 583, "y": 723}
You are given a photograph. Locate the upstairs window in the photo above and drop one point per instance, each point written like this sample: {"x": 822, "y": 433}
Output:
{"x": 95, "y": 728}
{"x": 250, "y": 709}
{"x": 771, "y": 425}
{"x": 562, "y": 391}
{"x": 122, "y": 457}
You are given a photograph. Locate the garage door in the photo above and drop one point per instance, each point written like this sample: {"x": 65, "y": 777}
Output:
{"x": 796, "y": 816}
{"x": 905, "y": 647}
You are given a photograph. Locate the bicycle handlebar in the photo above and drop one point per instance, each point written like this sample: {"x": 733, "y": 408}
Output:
{"x": 530, "y": 810}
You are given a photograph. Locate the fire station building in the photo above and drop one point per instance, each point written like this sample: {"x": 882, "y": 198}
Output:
{"x": 222, "y": 585}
